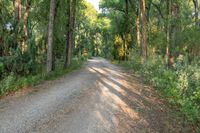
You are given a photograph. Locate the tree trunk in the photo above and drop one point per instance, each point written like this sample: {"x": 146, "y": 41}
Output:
{"x": 143, "y": 14}
{"x": 25, "y": 28}
{"x": 126, "y": 1}
{"x": 196, "y": 12}
{"x": 70, "y": 37}
{"x": 127, "y": 32}
{"x": 138, "y": 30}
{"x": 54, "y": 34}
{"x": 50, "y": 36}
{"x": 67, "y": 59}
{"x": 73, "y": 23}
{"x": 18, "y": 9}
{"x": 168, "y": 27}
{"x": 17, "y": 14}
{"x": 173, "y": 31}
{"x": 138, "y": 24}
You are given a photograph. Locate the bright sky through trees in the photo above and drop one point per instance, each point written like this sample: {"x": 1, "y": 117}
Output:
{"x": 95, "y": 3}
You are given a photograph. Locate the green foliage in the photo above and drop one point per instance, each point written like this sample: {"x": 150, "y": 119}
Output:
{"x": 18, "y": 63}
{"x": 157, "y": 40}
{"x": 188, "y": 41}
{"x": 190, "y": 109}
{"x": 1, "y": 69}
{"x": 180, "y": 85}
{"x": 7, "y": 83}
{"x": 14, "y": 82}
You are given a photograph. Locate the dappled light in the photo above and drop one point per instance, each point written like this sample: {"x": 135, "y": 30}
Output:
{"x": 136, "y": 105}
{"x": 100, "y": 66}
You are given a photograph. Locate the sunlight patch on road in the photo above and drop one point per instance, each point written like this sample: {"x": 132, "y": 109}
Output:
{"x": 91, "y": 70}
{"x": 114, "y": 86}
{"x": 118, "y": 101}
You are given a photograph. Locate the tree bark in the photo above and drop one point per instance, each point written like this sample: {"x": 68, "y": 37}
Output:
{"x": 73, "y": 23}
{"x": 50, "y": 36}
{"x": 18, "y": 9}
{"x": 25, "y": 28}
{"x": 196, "y": 11}
{"x": 67, "y": 59}
{"x": 174, "y": 27}
{"x": 143, "y": 14}
{"x": 54, "y": 34}
{"x": 70, "y": 34}
{"x": 17, "y": 14}
{"x": 127, "y": 32}
{"x": 168, "y": 27}
{"x": 138, "y": 30}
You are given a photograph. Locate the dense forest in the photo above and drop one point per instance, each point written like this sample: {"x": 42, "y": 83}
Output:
{"x": 158, "y": 39}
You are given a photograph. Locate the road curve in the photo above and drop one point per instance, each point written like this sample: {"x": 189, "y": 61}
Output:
{"x": 99, "y": 98}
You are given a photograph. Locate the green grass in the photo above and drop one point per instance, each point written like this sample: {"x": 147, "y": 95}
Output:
{"x": 13, "y": 82}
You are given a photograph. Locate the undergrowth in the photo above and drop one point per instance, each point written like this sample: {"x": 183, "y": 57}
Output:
{"x": 13, "y": 82}
{"x": 179, "y": 84}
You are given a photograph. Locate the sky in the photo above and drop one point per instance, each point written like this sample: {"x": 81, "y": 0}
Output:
{"x": 95, "y": 3}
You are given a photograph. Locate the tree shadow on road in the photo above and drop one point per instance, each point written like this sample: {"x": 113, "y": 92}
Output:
{"x": 140, "y": 109}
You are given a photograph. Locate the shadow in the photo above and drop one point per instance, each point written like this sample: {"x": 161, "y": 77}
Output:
{"x": 140, "y": 108}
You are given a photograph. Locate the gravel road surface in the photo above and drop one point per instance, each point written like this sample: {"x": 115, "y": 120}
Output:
{"x": 99, "y": 98}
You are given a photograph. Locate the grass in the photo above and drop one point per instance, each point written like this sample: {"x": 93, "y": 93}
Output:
{"x": 13, "y": 83}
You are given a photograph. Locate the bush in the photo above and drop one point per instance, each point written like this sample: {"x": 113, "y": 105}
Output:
{"x": 180, "y": 84}
{"x": 7, "y": 83}
{"x": 13, "y": 82}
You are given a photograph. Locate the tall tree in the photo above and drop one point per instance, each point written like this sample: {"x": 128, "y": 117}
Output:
{"x": 67, "y": 58}
{"x": 70, "y": 39}
{"x": 143, "y": 13}
{"x": 168, "y": 27}
{"x": 18, "y": 9}
{"x": 173, "y": 29}
{"x": 18, "y": 15}
{"x": 50, "y": 36}
{"x": 126, "y": 32}
{"x": 25, "y": 27}
{"x": 196, "y": 11}
{"x": 138, "y": 24}
{"x": 73, "y": 22}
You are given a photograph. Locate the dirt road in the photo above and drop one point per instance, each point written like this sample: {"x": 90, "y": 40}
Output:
{"x": 99, "y": 98}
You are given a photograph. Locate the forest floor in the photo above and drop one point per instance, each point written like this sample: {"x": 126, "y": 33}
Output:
{"x": 99, "y": 98}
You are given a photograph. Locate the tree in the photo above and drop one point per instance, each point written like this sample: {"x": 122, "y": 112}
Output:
{"x": 25, "y": 27}
{"x": 173, "y": 30}
{"x": 68, "y": 37}
{"x": 50, "y": 36}
{"x": 18, "y": 9}
{"x": 138, "y": 26}
{"x": 71, "y": 11}
{"x": 143, "y": 14}
{"x": 18, "y": 14}
{"x": 196, "y": 11}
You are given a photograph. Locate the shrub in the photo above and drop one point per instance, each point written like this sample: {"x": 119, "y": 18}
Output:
{"x": 180, "y": 84}
{"x": 7, "y": 83}
{"x": 13, "y": 82}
